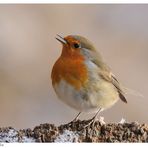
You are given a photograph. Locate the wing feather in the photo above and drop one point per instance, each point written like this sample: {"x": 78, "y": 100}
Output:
{"x": 106, "y": 74}
{"x": 104, "y": 70}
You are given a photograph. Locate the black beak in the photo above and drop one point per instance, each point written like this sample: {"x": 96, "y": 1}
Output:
{"x": 61, "y": 39}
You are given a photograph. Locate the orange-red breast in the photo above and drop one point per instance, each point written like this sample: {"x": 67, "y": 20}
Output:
{"x": 81, "y": 79}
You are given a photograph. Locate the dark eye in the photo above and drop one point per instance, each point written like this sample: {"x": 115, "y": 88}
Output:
{"x": 76, "y": 45}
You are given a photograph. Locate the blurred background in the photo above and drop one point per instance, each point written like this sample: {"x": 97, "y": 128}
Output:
{"x": 28, "y": 50}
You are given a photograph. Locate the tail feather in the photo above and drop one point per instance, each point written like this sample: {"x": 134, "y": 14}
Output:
{"x": 122, "y": 98}
{"x": 132, "y": 92}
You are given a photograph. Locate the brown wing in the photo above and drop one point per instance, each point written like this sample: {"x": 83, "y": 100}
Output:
{"x": 117, "y": 85}
{"x": 108, "y": 76}
{"x": 105, "y": 73}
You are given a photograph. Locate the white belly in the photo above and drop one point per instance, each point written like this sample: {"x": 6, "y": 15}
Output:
{"x": 103, "y": 96}
{"x": 71, "y": 96}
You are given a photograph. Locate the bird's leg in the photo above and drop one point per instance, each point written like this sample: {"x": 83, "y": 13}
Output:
{"x": 76, "y": 118}
{"x": 93, "y": 119}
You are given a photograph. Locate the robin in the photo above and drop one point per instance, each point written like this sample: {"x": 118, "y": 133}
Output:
{"x": 81, "y": 78}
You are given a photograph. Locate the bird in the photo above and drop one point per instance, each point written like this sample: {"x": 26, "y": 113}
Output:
{"x": 81, "y": 78}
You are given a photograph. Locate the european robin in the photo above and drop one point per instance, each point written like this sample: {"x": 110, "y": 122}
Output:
{"x": 81, "y": 78}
